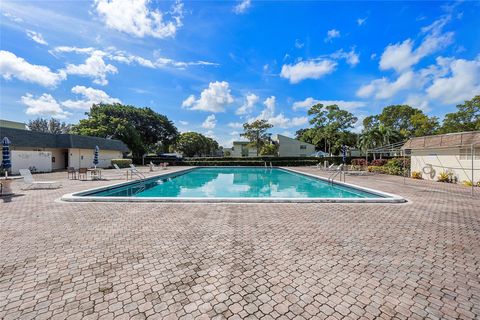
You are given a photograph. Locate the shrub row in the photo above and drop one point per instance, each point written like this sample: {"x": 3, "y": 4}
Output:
{"x": 290, "y": 163}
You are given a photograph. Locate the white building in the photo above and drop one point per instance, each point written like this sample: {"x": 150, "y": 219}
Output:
{"x": 287, "y": 147}
{"x": 456, "y": 153}
{"x": 45, "y": 152}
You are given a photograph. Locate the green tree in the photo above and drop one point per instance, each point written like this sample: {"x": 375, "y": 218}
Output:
{"x": 256, "y": 133}
{"x": 424, "y": 125}
{"x": 330, "y": 124}
{"x": 269, "y": 149}
{"x": 141, "y": 129}
{"x": 467, "y": 117}
{"x": 192, "y": 144}
{"x": 50, "y": 126}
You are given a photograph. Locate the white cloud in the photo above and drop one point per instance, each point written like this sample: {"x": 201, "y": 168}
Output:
{"x": 402, "y": 56}
{"x": 13, "y": 66}
{"x": 210, "y": 122}
{"x": 346, "y": 105}
{"x": 136, "y": 18}
{"x": 214, "y": 99}
{"x": 278, "y": 120}
{"x": 124, "y": 57}
{"x": 183, "y": 123}
{"x": 299, "y": 44}
{"x": 461, "y": 83}
{"x": 418, "y": 101}
{"x": 45, "y": 105}
{"x": 94, "y": 67}
{"x": 361, "y": 21}
{"x": 250, "y": 100}
{"x": 242, "y": 6}
{"x": 235, "y": 125}
{"x": 311, "y": 69}
{"x": 12, "y": 17}
{"x": 384, "y": 89}
{"x": 351, "y": 57}
{"x": 332, "y": 34}
{"x": 90, "y": 96}
{"x": 37, "y": 37}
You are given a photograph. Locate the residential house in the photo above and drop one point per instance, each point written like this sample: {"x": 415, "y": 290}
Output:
{"x": 287, "y": 147}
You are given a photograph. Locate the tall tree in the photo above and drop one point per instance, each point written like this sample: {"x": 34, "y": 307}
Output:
{"x": 467, "y": 117}
{"x": 141, "y": 129}
{"x": 256, "y": 133}
{"x": 192, "y": 144}
{"x": 50, "y": 126}
{"x": 330, "y": 124}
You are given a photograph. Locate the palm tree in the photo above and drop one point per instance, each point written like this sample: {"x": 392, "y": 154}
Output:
{"x": 370, "y": 139}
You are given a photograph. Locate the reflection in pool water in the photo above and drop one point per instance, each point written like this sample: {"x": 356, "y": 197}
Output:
{"x": 236, "y": 182}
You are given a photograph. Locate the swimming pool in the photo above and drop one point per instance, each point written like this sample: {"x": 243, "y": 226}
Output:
{"x": 239, "y": 184}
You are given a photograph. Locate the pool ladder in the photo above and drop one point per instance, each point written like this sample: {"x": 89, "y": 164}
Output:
{"x": 265, "y": 163}
{"x": 337, "y": 172}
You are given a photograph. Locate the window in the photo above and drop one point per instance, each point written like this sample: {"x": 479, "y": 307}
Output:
{"x": 303, "y": 147}
{"x": 466, "y": 153}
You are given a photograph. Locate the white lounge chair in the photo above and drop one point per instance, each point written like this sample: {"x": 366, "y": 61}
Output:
{"x": 32, "y": 184}
{"x": 116, "y": 174}
{"x": 319, "y": 166}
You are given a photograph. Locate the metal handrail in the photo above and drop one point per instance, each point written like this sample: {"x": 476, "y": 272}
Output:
{"x": 137, "y": 173}
{"x": 331, "y": 178}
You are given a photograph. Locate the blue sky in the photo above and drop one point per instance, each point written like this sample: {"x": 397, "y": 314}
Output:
{"x": 210, "y": 66}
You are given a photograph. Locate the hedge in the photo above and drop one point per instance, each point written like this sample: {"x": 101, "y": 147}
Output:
{"x": 290, "y": 163}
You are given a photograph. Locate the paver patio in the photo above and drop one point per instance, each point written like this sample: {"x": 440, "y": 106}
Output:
{"x": 259, "y": 261}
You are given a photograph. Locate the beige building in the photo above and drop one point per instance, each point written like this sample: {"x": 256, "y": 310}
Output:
{"x": 287, "y": 147}
{"x": 456, "y": 153}
{"x": 45, "y": 152}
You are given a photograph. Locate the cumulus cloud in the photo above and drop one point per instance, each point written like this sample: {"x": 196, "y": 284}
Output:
{"x": 213, "y": 99}
{"x": 135, "y": 17}
{"x": 37, "y": 37}
{"x": 45, "y": 105}
{"x": 347, "y": 105}
{"x": 384, "y": 89}
{"x": 351, "y": 57}
{"x": 402, "y": 56}
{"x": 12, "y": 66}
{"x": 89, "y": 96}
{"x": 310, "y": 69}
{"x": 210, "y": 122}
{"x": 332, "y": 34}
{"x": 461, "y": 83}
{"x": 242, "y": 6}
{"x": 94, "y": 67}
{"x": 250, "y": 100}
{"x": 278, "y": 120}
{"x": 183, "y": 123}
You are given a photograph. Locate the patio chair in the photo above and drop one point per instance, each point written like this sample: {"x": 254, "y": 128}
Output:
{"x": 164, "y": 165}
{"x": 32, "y": 184}
{"x": 116, "y": 174}
{"x": 72, "y": 173}
{"x": 329, "y": 168}
{"x": 83, "y": 172}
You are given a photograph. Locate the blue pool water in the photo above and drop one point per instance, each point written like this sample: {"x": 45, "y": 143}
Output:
{"x": 234, "y": 182}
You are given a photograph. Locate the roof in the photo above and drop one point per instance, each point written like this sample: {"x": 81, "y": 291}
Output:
{"x": 32, "y": 139}
{"x": 12, "y": 124}
{"x": 277, "y": 136}
{"x": 444, "y": 140}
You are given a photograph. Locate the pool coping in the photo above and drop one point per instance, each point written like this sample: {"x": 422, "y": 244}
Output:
{"x": 384, "y": 197}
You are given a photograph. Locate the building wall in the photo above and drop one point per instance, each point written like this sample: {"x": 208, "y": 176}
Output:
{"x": 36, "y": 161}
{"x": 57, "y": 157}
{"x": 433, "y": 161}
{"x": 83, "y": 158}
{"x": 242, "y": 150}
{"x": 288, "y": 147}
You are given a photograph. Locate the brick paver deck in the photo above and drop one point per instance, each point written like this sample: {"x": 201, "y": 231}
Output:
{"x": 259, "y": 261}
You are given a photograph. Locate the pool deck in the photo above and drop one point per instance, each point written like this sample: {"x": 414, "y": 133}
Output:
{"x": 415, "y": 260}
